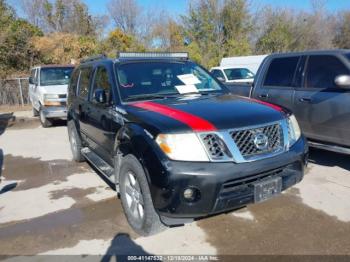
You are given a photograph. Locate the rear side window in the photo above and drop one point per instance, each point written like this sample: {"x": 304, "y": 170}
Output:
{"x": 74, "y": 82}
{"x": 84, "y": 82}
{"x": 322, "y": 71}
{"x": 281, "y": 72}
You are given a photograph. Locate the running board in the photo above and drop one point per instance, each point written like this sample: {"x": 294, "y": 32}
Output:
{"x": 333, "y": 148}
{"x": 99, "y": 163}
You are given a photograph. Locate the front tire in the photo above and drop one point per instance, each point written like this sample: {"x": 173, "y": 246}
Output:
{"x": 75, "y": 142}
{"x": 45, "y": 122}
{"x": 136, "y": 198}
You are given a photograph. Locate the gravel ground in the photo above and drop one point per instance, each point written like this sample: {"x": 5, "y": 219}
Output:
{"x": 52, "y": 205}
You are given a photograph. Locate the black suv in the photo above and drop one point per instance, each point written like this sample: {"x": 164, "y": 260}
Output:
{"x": 175, "y": 142}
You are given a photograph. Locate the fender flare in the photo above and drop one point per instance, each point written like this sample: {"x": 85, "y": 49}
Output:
{"x": 134, "y": 139}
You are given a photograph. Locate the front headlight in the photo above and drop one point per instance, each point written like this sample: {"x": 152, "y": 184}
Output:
{"x": 182, "y": 147}
{"x": 294, "y": 132}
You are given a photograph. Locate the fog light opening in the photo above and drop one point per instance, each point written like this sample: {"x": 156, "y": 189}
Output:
{"x": 191, "y": 194}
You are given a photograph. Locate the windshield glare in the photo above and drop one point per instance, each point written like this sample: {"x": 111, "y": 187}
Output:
{"x": 55, "y": 76}
{"x": 163, "y": 78}
{"x": 238, "y": 73}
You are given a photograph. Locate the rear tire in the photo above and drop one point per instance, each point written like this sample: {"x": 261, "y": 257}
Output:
{"x": 45, "y": 122}
{"x": 136, "y": 198}
{"x": 75, "y": 142}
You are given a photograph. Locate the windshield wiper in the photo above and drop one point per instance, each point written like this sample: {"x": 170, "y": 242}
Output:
{"x": 201, "y": 93}
{"x": 146, "y": 96}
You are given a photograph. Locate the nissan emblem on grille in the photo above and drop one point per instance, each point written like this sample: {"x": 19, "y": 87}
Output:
{"x": 261, "y": 141}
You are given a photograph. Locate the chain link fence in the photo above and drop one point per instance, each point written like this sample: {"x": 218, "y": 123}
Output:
{"x": 14, "y": 91}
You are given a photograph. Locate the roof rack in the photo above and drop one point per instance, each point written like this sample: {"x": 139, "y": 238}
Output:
{"x": 93, "y": 58}
{"x": 152, "y": 55}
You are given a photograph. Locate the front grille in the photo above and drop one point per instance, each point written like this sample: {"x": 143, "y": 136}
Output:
{"x": 62, "y": 96}
{"x": 214, "y": 145}
{"x": 247, "y": 143}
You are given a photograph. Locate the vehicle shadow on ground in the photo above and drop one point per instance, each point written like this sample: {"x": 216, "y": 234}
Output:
{"x": 4, "y": 121}
{"x": 59, "y": 122}
{"x": 8, "y": 187}
{"x": 121, "y": 247}
{"x": 328, "y": 158}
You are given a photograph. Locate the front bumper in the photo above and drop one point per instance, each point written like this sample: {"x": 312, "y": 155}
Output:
{"x": 222, "y": 186}
{"x": 55, "y": 112}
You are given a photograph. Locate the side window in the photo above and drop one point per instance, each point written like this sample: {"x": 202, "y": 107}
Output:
{"x": 281, "y": 72}
{"x": 217, "y": 73}
{"x": 322, "y": 71}
{"x": 33, "y": 75}
{"x": 101, "y": 81}
{"x": 84, "y": 82}
{"x": 74, "y": 81}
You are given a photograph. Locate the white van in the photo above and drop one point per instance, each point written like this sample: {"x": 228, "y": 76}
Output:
{"x": 228, "y": 74}
{"x": 48, "y": 92}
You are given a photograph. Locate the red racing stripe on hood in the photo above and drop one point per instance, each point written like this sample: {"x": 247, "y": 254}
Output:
{"x": 195, "y": 122}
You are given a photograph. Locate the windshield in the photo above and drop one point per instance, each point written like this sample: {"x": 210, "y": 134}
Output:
{"x": 55, "y": 76}
{"x": 141, "y": 80}
{"x": 238, "y": 73}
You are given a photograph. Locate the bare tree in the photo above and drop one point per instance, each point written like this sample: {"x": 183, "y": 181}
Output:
{"x": 34, "y": 11}
{"x": 342, "y": 37}
{"x": 125, "y": 14}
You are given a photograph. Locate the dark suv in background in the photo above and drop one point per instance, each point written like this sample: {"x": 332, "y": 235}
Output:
{"x": 175, "y": 142}
{"x": 315, "y": 86}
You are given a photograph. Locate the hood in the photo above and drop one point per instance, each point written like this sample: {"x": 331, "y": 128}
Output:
{"x": 205, "y": 113}
{"x": 54, "y": 89}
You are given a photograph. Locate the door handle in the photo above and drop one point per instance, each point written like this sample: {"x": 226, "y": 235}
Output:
{"x": 264, "y": 96}
{"x": 305, "y": 100}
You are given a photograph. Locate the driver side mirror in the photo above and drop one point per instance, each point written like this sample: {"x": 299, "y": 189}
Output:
{"x": 343, "y": 81}
{"x": 221, "y": 79}
{"x": 31, "y": 80}
{"x": 100, "y": 96}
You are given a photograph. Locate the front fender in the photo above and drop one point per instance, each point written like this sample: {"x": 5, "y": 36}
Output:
{"x": 134, "y": 139}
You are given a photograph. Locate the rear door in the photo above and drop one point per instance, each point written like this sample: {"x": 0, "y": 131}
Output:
{"x": 278, "y": 85}
{"x": 82, "y": 108}
{"x": 320, "y": 105}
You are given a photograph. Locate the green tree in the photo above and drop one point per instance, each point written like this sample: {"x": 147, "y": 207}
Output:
{"x": 218, "y": 28}
{"x": 236, "y": 23}
{"x": 15, "y": 35}
{"x": 277, "y": 36}
{"x": 118, "y": 41}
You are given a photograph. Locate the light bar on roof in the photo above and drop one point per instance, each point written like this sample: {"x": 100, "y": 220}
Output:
{"x": 183, "y": 55}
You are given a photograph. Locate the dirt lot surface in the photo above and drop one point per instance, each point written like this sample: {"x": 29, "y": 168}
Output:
{"x": 52, "y": 205}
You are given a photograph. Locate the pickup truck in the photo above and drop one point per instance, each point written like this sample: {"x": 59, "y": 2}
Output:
{"x": 175, "y": 142}
{"x": 315, "y": 86}
{"x": 48, "y": 92}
